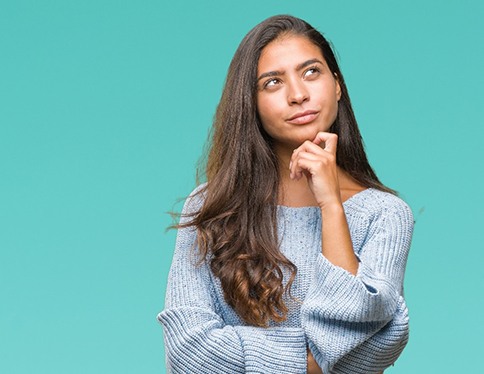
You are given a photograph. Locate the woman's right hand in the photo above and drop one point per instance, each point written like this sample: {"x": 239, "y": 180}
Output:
{"x": 313, "y": 367}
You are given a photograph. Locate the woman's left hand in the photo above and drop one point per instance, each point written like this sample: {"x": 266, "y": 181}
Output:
{"x": 318, "y": 164}
{"x": 312, "y": 365}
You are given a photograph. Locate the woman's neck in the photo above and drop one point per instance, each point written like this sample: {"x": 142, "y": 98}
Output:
{"x": 296, "y": 193}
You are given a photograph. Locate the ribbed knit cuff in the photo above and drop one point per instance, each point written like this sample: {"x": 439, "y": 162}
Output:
{"x": 197, "y": 343}
{"x": 361, "y": 298}
{"x": 276, "y": 350}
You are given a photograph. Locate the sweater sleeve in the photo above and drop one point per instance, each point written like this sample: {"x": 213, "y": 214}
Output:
{"x": 381, "y": 350}
{"x": 197, "y": 340}
{"x": 359, "y": 324}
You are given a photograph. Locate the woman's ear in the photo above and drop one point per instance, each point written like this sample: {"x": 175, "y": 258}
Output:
{"x": 338, "y": 87}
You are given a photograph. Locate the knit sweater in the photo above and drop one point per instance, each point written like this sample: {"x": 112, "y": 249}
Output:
{"x": 355, "y": 324}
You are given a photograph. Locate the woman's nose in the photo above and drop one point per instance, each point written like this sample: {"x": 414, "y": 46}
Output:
{"x": 297, "y": 93}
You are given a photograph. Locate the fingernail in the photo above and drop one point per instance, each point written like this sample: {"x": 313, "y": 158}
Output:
{"x": 290, "y": 165}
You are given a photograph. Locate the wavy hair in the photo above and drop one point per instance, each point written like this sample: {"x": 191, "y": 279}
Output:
{"x": 236, "y": 224}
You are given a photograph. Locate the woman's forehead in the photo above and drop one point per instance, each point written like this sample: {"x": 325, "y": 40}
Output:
{"x": 288, "y": 51}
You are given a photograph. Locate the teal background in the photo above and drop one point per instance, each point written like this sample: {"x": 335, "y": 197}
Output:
{"x": 104, "y": 109}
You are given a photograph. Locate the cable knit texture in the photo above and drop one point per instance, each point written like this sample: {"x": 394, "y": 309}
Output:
{"x": 352, "y": 324}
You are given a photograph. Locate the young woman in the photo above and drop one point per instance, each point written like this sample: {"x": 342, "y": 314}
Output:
{"x": 291, "y": 258}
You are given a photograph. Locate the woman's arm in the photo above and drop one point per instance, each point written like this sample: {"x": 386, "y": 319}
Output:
{"x": 197, "y": 339}
{"x": 319, "y": 166}
{"x": 360, "y": 323}
{"x": 380, "y": 351}
{"x": 353, "y": 302}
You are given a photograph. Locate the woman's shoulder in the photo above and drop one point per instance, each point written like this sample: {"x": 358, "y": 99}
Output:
{"x": 376, "y": 203}
{"x": 198, "y": 191}
{"x": 194, "y": 201}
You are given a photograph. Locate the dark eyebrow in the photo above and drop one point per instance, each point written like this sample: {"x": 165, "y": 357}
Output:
{"x": 299, "y": 67}
{"x": 269, "y": 74}
{"x": 307, "y": 63}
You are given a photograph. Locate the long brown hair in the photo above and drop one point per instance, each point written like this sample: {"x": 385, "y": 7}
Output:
{"x": 236, "y": 224}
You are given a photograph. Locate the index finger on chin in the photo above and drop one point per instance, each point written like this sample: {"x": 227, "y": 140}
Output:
{"x": 330, "y": 141}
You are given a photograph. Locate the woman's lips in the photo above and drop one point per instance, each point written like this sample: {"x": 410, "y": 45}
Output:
{"x": 303, "y": 118}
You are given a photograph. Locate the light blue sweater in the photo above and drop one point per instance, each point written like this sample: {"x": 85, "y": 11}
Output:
{"x": 352, "y": 324}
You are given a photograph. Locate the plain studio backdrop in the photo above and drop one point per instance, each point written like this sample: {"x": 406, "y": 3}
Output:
{"x": 104, "y": 110}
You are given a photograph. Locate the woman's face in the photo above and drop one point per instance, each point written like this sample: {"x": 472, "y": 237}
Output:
{"x": 297, "y": 95}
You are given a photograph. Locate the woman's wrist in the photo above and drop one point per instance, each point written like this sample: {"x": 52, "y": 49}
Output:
{"x": 329, "y": 208}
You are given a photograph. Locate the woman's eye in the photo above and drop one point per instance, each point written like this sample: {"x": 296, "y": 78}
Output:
{"x": 311, "y": 72}
{"x": 271, "y": 83}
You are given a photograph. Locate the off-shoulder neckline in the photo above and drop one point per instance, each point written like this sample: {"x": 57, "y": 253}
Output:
{"x": 348, "y": 201}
